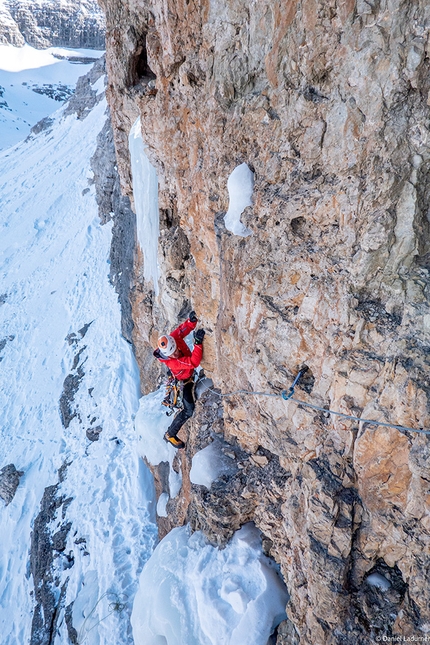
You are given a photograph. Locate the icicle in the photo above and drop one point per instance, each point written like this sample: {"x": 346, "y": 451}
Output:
{"x": 145, "y": 192}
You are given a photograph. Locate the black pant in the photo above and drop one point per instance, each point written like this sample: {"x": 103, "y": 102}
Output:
{"x": 186, "y": 413}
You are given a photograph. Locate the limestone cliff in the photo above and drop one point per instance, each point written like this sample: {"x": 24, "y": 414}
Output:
{"x": 45, "y": 23}
{"x": 328, "y": 103}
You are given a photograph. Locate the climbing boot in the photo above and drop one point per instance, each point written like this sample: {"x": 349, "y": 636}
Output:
{"x": 177, "y": 443}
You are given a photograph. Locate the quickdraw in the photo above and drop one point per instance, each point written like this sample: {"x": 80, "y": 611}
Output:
{"x": 287, "y": 394}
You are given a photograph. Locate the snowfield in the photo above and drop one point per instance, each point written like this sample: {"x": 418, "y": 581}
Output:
{"x": 69, "y": 395}
{"x": 54, "y": 277}
{"x": 33, "y": 84}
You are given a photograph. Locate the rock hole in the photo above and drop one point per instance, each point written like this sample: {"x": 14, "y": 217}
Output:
{"x": 380, "y": 597}
{"x": 297, "y": 224}
{"x": 307, "y": 381}
{"x": 139, "y": 71}
{"x": 193, "y": 79}
{"x": 167, "y": 217}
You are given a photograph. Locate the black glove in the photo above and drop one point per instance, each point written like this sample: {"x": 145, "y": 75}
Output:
{"x": 192, "y": 317}
{"x": 198, "y": 336}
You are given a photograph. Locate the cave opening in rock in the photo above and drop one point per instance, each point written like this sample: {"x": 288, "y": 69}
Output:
{"x": 139, "y": 69}
{"x": 378, "y": 600}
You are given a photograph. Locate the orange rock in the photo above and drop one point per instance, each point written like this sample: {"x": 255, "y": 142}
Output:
{"x": 381, "y": 459}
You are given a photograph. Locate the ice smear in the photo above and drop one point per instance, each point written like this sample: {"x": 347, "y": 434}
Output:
{"x": 145, "y": 193}
{"x": 151, "y": 423}
{"x": 191, "y": 592}
{"x": 240, "y": 186}
{"x": 161, "y": 505}
{"x": 378, "y": 580}
{"x": 209, "y": 464}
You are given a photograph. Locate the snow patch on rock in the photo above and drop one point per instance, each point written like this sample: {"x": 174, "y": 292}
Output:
{"x": 240, "y": 187}
{"x": 378, "y": 580}
{"x": 162, "y": 504}
{"x": 209, "y": 464}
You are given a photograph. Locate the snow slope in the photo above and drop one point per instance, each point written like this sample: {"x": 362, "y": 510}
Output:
{"x": 54, "y": 266}
{"x": 29, "y": 79}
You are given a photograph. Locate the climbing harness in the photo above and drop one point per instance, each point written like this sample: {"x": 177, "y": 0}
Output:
{"x": 174, "y": 389}
{"x": 287, "y": 395}
{"x": 173, "y": 398}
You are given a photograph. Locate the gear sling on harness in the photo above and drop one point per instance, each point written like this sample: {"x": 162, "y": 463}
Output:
{"x": 173, "y": 399}
{"x": 174, "y": 394}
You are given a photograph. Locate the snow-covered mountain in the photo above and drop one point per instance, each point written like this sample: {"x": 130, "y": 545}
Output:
{"x": 44, "y": 23}
{"x": 34, "y": 83}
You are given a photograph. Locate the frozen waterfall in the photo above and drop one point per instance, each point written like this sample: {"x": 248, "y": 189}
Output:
{"x": 145, "y": 192}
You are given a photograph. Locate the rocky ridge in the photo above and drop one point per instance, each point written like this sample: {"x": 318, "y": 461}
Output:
{"x": 328, "y": 103}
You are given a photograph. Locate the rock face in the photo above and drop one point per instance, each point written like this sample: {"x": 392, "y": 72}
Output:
{"x": 46, "y": 23}
{"x": 328, "y": 103}
{"x": 9, "y": 30}
{"x": 47, "y": 559}
{"x": 9, "y": 482}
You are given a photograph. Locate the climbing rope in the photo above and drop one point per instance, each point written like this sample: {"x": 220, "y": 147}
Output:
{"x": 287, "y": 395}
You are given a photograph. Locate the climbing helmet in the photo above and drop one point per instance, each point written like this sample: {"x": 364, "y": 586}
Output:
{"x": 167, "y": 345}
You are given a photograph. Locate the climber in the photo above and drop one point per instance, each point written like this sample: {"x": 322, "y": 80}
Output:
{"x": 174, "y": 352}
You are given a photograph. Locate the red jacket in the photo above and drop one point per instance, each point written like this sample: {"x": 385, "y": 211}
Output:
{"x": 182, "y": 367}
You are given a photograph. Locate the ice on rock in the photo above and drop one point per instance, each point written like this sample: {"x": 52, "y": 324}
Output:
{"x": 145, "y": 193}
{"x": 240, "y": 187}
{"x": 161, "y": 505}
{"x": 192, "y": 592}
{"x": 378, "y": 580}
{"x": 151, "y": 423}
{"x": 209, "y": 464}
